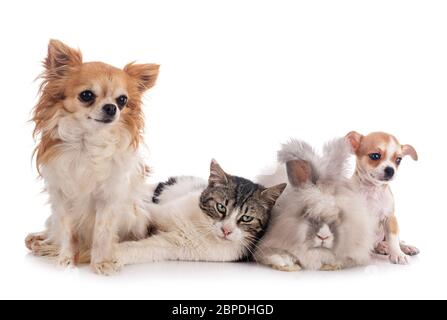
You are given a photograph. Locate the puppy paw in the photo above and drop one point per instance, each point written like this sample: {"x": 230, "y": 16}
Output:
{"x": 382, "y": 248}
{"x": 44, "y": 249}
{"x": 409, "y": 250}
{"x": 106, "y": 268}
{"x": 284, "y": 262}
{"x": 398, "y": 258}
{"x": 330, "y": 267}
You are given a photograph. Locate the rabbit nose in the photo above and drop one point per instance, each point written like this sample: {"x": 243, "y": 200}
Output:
{"x": 322, "y": 237}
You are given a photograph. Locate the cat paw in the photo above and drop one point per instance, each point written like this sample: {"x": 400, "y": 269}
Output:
{"x": 409, "y": 250}
{"x": 284, "y": 262}
{"x": 399, "y": 258}
{"x": 106, "y": 268}
{"x": 330, "y": 267}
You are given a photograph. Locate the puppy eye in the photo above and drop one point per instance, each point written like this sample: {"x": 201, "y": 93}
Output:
{"x": 87, "y": 96}
{"x": 121, "y": 101}
{"x": 398, "y": 160}
{"x": 375, "y": 156}
{"x": 221, "y": 208}
{"x": 247, "y": 219}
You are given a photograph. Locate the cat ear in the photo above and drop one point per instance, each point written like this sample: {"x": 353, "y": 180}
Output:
{"x": 144, "y": 74}
{"x": 272, "y": 194}
{"x": 218, "y": 177}
{"x": 299, "y": 172}
{"x": 60, "y": 59}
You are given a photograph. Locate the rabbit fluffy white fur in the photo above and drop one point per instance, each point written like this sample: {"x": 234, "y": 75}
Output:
{"x": 318, "y": 223}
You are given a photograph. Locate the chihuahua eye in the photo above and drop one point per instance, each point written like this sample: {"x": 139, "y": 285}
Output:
{"x": 87, "y": 96}
{"x": 247, "y": 219}
{"x": 121, "y": 101}
{"x": 221, "y": 208}
{"x": 375, "y": 156}
{"x": 398, "y": 160}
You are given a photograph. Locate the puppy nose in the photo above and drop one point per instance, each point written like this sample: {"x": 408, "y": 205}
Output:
{"x": 389, "y": 172}
{"x": 322, "y": 237}
{"x": 226, "y": 231}
{"x": 109, "y": 109}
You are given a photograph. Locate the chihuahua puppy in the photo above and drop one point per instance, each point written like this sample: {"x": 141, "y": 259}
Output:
{"x": 379, "y": 156}
{"x": 89, "y": 121}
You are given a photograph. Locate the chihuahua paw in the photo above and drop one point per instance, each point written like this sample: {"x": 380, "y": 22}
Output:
{"x": 409, "y": 250}
{"x": 66, "y": 261}
{"x": 106, "y": 268}
{"x": 284, "y": 262}
{"x": 398, "y": 258}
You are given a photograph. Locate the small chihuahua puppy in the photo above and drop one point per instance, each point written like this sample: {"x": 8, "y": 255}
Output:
{"x": 379, "y": 156}
{"x": 88, "y": 122}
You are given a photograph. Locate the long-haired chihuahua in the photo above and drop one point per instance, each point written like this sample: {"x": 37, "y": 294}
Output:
{"x": 88, "y": 122}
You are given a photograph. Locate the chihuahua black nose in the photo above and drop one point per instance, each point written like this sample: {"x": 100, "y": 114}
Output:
{"x": 109, "y": 109}
{"x": 389, "y": 172}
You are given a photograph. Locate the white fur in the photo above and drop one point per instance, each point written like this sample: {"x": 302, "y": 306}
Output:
{"x": 96, "y": 187}
{"x": 324, "y": 200}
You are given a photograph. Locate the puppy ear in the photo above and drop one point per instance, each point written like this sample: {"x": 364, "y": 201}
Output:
{"x": 354, "y": 139}
{"x": 272, "y": 194}
{"x": 408, "y": 150}
{"x": 299, "y": 172}
{"x": 218, "y": 177}
{"x": 144, "y": 74}
{"x": 60, "y": 59}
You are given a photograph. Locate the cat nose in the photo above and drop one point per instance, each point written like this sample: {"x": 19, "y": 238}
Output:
{"x": 322, "y": 237}
{"x": 109, "y": 109}
{"x": 226, "y": 231}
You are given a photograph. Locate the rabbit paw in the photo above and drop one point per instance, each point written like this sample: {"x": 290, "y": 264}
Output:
{"x": 398, "y": 258}
{"x": 409, "y": 250}
{"x": 106, "y": 268}
{"x": 330, "y": 267}
{"x": 66, "y": 261}
{"x": 284, "y": 262}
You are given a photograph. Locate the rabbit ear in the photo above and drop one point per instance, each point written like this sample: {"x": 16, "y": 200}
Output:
{"x": 272, "y": 194}
{"x": 299, "y": 172}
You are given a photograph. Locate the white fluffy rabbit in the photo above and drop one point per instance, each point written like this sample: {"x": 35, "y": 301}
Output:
{"x": 318, "y": 223}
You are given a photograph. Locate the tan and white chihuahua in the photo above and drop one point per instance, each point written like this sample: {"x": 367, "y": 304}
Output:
{"x": 378, "y": 157}
{"x": 88, "y": 121}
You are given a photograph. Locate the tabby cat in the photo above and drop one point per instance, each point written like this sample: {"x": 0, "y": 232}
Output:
{"x": 193, "y": 220}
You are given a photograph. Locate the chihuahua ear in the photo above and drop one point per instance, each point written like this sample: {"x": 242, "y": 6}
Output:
{"x": 144, "y": 74}
{"x": 408, "y": 150}
{"x": 272, "y": 194}
{"x": 299, "y": 172}
{"x": 218, "y": 177}
{"x": 61, "y": 58}
{"x": 354, "y": 139}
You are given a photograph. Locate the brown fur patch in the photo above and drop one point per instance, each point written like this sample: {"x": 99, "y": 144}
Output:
{"x": 393, "y": 226}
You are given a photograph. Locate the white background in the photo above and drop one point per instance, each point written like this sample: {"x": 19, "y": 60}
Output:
{"x": 237, "y": 79}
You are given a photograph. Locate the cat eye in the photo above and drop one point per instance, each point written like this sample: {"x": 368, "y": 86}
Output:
{"x": 221, "y": 208}
{"x": 121, "y": 101}
{"x": 398, "y": 160}
{"x": 247, "y": 219}
{"x": 87, "y": 96}
{"x": 375, "y": 156}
